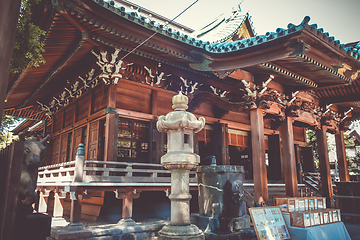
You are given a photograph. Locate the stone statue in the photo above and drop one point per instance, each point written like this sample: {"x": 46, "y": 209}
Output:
{"x": 34, "y": 153}
{"x": 233, "y": 194}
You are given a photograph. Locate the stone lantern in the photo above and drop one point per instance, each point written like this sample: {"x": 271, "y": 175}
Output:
{"x": 180, "y": 158}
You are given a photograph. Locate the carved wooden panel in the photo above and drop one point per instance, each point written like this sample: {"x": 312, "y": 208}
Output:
{"x": 57, "y": 121}
{"x": 299, "y": 134}
{"x": 69, "y": 115}
{"x": 77, "y": 141}
{"x": 55, "y": 150}
{"x": 238, "y": 138}
{"x": 99, "y": 99}
{"x": 94, "y": 141}
{"x": 83, "y": 107}
{"x": 63, "y": 147}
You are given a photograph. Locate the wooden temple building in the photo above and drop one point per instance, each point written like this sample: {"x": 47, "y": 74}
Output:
{"x": 112, "y": 68}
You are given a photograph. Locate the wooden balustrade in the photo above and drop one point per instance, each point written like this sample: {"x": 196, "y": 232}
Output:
{"x": 106, "y": 171}
{"x": 57, "y": 174}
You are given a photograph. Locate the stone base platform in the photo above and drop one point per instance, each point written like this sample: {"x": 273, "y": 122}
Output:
{"x": 246, "y": 233}
{"x": 224, "y": 228}
{"x": 146, "y": 230}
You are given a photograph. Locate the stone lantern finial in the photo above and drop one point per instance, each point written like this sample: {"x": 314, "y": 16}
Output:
{"x": 180, "y": 102}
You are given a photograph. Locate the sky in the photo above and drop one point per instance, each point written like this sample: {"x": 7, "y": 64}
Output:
{"x": 340, "y": 18}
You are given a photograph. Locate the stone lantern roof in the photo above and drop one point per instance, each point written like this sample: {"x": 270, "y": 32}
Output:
{"x": 180, "y": 118}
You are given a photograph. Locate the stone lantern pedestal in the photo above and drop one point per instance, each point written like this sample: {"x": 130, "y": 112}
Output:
{"x": 180, "y": 159}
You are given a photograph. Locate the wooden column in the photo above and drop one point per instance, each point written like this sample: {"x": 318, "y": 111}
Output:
{"x": 128, "y": 196}
{"x": 220, "y": 139}
{"x": 111, "y": 127}
{"x": 127, "y": 204}
{"x": 111, "y": 132}
{"x": 258, "y": 155}
{"x": 288, "y": 156}
{"x": 76, "y": 196}
{"x": 9, "y": 14}
{"x": 341, "y": 157}
{"x": 76, "y": 205}
{"x": 326, "y": 190}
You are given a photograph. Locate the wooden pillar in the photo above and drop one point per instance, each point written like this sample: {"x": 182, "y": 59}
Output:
{"x": 326, "y": 189}
{"x": 341, "y": 157}
{"x": 128, "y": 196}
{"x": 258, "y": 155}
{"x": 76, "y": 196}
{"x": 111, "y": 127}
{"x": 288, "y": 156}
{"x": 220, "y": 139}
{"x": 127, "y": 204}
{"x": 50, "y": 203}
{"x": 111, "y": 132}
{"x": 76, "y": 205}
{"x": 9, "y": 14}
{"x": 274, "y": 156}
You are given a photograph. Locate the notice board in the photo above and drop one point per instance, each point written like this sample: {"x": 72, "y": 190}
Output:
{"x": 269, "y": 223}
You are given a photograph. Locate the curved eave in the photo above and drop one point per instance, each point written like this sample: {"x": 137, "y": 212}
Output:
{"x": 294, "y": 40}
{"x": 339, "y": 93}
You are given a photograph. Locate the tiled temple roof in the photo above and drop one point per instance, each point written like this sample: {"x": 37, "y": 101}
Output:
{"x": 226, "y": 47}
{"x": 151, "y": 24}
{"x": 280, "y": 32}
{"x": 223, "y": 27}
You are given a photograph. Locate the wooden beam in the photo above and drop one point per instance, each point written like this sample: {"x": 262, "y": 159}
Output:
{"x": 288, "y": 156}
{"x": 258, "y": 156}
{"x": 326, "y": 189}
{"x": 341, "y": 157}
{"x": 221, "y": 147}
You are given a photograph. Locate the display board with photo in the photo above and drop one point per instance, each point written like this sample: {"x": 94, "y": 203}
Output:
{"x": 269, "y": 223}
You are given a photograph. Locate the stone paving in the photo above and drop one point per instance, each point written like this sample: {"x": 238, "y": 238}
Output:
{"x": 144, "y": 230}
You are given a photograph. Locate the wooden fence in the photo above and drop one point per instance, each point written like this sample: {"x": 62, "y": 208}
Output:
{"x": 11, "y": 159}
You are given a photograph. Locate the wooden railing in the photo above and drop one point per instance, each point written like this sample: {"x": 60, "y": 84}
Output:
{"x": 313, "y": 182}
{"x": 105, "y": 171}
{"x": 11, "y": 161}
{"x": 59, "y": 174}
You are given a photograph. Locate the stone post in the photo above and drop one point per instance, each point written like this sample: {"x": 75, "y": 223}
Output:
{"x": 76, "y": 196}
{"x": 180, "y": 159}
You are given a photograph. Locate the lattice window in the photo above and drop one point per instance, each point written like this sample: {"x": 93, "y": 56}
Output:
{"x": 133, "y": 138}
